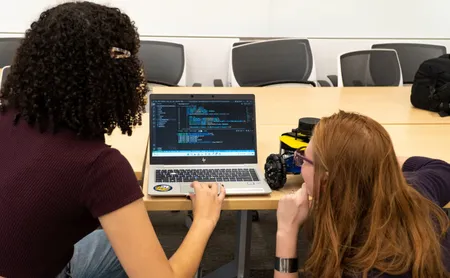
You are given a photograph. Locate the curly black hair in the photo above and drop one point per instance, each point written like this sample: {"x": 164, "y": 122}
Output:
{"x": 64, "y": 75}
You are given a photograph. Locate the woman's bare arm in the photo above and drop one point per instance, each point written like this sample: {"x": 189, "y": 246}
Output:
{"x": 286, "y": 248}
{"x": 136, "y": 245}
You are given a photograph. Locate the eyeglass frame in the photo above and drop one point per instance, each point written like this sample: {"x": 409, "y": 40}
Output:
{"x": 300, "y": 154}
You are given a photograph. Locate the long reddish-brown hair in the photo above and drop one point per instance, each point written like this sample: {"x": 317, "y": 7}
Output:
{"x": 364, "y": 214}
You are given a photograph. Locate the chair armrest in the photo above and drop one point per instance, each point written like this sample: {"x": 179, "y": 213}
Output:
{"x": 263, "y": 84}
{"x": 196, "y": 85}
{"x": 162, "y": 83}
{"x": 218, "y": 83}
{"x": 334, "y": 80}
{"x": 323, "y": 83}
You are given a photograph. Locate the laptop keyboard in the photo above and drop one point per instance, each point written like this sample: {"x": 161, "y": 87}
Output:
{"x": 207, "y": 175}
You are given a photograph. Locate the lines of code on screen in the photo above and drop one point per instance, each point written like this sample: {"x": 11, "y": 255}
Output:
{"x": 195, "y": 127}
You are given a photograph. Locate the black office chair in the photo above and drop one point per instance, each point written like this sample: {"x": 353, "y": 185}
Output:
{"x": 333, "y": 79}
{"x": 164, "y": 63}
{"x": 219, "y": 82}
{"x": 278, "y": 62}
{"x": 411, "y": 55}
{"x": 8, "y": 48}
{"x": 376, "y": 67}
{"x": 323, "y": 83}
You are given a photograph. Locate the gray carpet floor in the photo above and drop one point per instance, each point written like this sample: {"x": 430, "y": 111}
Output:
{"x": 171, "y": 230}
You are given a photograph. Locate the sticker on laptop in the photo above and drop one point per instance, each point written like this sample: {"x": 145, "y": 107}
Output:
{"x": 163, "y": 188}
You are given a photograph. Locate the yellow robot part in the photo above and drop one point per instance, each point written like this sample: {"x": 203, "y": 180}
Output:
{"x": 292, "y": 142}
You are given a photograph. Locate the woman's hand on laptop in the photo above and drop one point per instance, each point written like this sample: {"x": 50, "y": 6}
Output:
{"x": 206, "y": 204}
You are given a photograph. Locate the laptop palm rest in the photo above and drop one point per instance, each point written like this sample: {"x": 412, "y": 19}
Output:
{"x": 230, "y": 189}
{"x": 187, "y": 189}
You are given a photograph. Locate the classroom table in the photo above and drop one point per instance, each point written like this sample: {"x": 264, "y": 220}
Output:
{"x": 132, "y": 147}
{"x": 284, "y": 106}
{"x": 408, "y": 140}
{"x": 413, "y": 132}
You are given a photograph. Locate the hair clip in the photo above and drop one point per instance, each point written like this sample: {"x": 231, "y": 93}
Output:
{"x": 119, "y": 53}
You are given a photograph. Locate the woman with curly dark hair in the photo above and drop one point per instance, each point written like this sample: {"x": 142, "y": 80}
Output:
{"x": 75, "y": 78}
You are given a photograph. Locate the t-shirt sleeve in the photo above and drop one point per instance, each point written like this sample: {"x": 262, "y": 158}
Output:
{"x": 111, "y": 184}
{"x": 432, "y": 176}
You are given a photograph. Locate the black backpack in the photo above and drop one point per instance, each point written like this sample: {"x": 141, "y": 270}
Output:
{"x": 431, "y": 87}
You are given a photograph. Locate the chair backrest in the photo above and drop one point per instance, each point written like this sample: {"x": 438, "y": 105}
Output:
{"x": 271, "y": 63}
{"x": 4, "y": 74}
{"x": 411, "y": 55}
{"x": 242, "y": 43}
{"x": 8, "y": 48}
{"x": 376, "y": 67}
{"x": 164, "y": 63}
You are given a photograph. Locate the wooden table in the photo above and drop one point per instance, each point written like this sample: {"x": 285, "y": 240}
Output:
{"x": 132, "y": 147}
{"x": 413, "y": 132}
{"x": 408, "y": 140}
{"x": 284, "y": 106}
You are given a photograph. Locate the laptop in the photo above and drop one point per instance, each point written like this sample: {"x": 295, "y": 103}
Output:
{"x": 205, "y": 138}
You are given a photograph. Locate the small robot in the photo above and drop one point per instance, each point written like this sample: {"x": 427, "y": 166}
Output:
{"x": 278, "y": 166}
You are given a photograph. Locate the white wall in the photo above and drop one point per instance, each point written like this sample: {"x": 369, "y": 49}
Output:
{"x": 161, "y": 17}
{"x": 325, "y": 22}
{"x": 264, "y": 18}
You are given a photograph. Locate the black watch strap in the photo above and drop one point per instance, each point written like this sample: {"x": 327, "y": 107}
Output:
{"x": 284, "y": 265}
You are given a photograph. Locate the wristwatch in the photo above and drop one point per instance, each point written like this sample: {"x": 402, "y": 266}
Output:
{"x": 284, "y": 265}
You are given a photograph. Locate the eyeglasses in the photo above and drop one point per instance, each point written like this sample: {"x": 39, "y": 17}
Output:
{"x": 300, "y": 158}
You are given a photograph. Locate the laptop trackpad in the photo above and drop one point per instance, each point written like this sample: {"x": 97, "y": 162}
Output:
{"x": 186, "y": 189}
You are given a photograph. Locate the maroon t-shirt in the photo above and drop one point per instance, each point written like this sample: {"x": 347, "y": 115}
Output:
{"x": 53, "y": 188}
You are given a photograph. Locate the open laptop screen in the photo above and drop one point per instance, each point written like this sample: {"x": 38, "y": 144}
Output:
{"x": 203, "y": 129}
